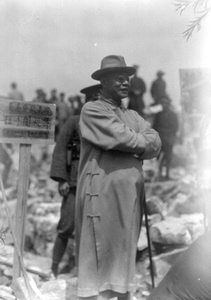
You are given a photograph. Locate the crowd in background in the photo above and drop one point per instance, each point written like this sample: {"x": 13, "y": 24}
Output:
{"x": 65, "y": 107}
{"x": 71, "y": 105}
{"x": 160, "y": 112}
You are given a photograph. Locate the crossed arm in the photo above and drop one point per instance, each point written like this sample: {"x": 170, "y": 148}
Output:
{"x": 103, "y": 128}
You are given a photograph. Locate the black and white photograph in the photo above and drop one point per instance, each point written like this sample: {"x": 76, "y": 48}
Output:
{"x": 105, "y": 150}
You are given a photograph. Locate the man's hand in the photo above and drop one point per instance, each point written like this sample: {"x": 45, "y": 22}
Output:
{"x": 63, "y": 188}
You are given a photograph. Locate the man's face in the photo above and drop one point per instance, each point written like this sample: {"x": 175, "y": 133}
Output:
{"x": 117, "y": 85}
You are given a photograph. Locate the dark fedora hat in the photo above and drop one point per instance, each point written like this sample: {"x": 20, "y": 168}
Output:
{"x": 113, "y": 63}
{"x": 92, "y": 89}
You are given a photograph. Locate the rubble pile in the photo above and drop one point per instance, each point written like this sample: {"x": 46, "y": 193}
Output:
{"x": 174, "y": 210}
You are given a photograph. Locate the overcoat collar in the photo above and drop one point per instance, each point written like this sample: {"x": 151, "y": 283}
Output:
{"x": 112, "y": 102}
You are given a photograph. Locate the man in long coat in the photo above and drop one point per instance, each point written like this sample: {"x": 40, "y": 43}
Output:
{"x": 114, "y": 142}
{"x": 158, "y": 88}
{"x": 166, "y": 124}
{"x": 136, "y": 92}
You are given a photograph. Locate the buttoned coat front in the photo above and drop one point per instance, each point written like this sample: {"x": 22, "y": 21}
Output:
{"x": 114, "y": 141}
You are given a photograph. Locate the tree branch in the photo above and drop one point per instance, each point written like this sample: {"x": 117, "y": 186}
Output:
{"x": 204, "y": 5}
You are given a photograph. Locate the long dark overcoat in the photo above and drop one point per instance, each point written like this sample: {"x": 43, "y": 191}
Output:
{"x": 109, "y": 196}
{"x": 59, "y": 171}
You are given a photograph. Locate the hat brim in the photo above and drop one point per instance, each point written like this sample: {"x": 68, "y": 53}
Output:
{"x": 91, "y": 89}
{"x": 98, "y": 74}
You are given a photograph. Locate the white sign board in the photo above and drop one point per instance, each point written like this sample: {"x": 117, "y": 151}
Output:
{"x": 26, "y": 122}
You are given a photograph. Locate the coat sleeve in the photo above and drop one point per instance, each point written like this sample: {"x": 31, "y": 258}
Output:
{"x": 103, "y": 128}
{"x": 58, "y": 170}
{"x": 152, "y": 139}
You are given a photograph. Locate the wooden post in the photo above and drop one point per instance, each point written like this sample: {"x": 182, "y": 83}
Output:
{"x": 23, "y": 182}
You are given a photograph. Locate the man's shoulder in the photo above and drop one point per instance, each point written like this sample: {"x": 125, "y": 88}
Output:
{"x": 93, "y": 104}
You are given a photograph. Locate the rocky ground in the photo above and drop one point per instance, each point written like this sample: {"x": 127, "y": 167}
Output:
{"x": 174, "y": 214}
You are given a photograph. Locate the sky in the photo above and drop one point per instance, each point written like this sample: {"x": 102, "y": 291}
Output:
{"x": 60, "y": 43}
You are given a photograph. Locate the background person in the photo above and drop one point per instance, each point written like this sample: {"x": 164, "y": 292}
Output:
{"x": 15, "y": 93}
{"x": 92, "y": 92}
{"x": 64, "y": 170}
{"x": 166, "y": 124}
{"x": 63, "y": 112}
{"x": 40, "y": 96}
{"x": 53, "y": 99}
{"x": 158, "y": 88}
{"x": 136, "y": 92}
{"x": 114, "y": 141}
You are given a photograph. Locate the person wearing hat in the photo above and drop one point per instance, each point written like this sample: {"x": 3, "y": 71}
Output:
{"x": 15, "y": 93}
{"x": 62, "y": 108}
{"x": 91, "y": 92}
{"x": 166, "y": 123}
{"x": 110, "y": 192}
{"x": 158, "y": 88}
{"x": 136, "y": 92}
{"x": 64, "y": 170}
{"x": 40, "y": 96}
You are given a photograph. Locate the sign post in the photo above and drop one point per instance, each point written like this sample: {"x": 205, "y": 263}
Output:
{"x": 25, "y": 123}
{"x": 23, "y": 181}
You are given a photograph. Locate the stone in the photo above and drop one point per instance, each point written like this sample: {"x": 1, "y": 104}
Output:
{"x": 184, "y": 204}
{"x": 154, "y": 205}
{"x": 6, "y": 289}
{"x": 194, "y": 223}
{"x": 142, "y": 241}
{"x": 49, "y": 250}
{"x": 168, "y": 257}
{"x": 6, "y": 252}
{"x": 45, "y": 230}
{"x": 152, "y": 219}
{"x": 26, "y": 288}
{"x": 12, "y": 210}
{"x": 170, "y": 231}
{"x": 59, "y": 289}
{"x": 10, "y": 192}
{"x": 43, "y": 209}
{"x": 4, "y": 281}
{"x": 6, "y": 296}
{"x": 8, "y": 272}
